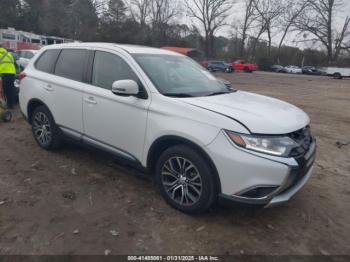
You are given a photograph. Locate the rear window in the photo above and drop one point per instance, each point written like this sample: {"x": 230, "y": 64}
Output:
{"x": 71, "y": 64}
{"x": 47, "y": 61}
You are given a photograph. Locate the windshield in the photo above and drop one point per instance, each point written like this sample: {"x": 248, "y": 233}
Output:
{"x": 179, "y": 76}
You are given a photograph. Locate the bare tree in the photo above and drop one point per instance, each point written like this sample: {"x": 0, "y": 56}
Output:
{"x": 248, "y": 20}
{"x": 260, "y": 29}
{"x": 292, "y": 11}
{"x": 140, "y": 10}
{"x": 162, "y": 12}
{"x": 117, "y": 11}
{"x": 212, "y": 15}
{"x": 100, "y": 6}
{"x": 319, "y": 21}
{"x": 269, "y": 11}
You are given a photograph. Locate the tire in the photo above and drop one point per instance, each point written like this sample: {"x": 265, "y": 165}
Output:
{"x": 210, "y": 69}
{"x": 337, "y": 76}
{"x": 7, "y": 116}
{"x": 42, "y": 121}
{"x": 191, "y": 192}
{"x": 247, "y": 70}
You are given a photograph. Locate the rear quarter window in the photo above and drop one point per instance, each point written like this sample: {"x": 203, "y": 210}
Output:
{"x": 47, "y": 61}
{"x": 71, "y": 64}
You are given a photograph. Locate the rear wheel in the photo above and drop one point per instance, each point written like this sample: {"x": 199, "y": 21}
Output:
{"x": 229, "y": 70}
{"x": 337, "y": 76}
{"x": 44, "y": 128}
{"x": 185, "y": 180}
{"x": 247, "y": 70}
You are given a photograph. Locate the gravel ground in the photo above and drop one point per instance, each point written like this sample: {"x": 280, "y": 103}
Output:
{"x": 82, "y": 201}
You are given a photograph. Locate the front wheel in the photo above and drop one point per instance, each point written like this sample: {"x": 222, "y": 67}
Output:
{"x": 7, "y": 117}
{"x": 185, "y": 180}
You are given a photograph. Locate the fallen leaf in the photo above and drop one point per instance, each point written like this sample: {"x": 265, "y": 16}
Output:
{"x": 269, "y": 226}
{"x": 200, "y": 228}
{"x": 69, "y": 195}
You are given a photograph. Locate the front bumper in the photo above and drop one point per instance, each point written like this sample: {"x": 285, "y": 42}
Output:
{"x": 254, "y": 179}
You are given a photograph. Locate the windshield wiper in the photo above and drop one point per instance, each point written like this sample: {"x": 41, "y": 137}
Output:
{"x": 219, "y": 93}
{"x": 178, "y": 95}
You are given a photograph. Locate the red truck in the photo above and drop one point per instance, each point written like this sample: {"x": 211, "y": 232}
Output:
{"x": 241, "y": 65}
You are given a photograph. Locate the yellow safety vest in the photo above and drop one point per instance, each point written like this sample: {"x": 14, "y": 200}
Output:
{"x": 7, "y": 62}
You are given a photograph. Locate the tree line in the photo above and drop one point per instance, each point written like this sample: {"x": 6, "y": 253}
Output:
{"x": 258, "y": 28}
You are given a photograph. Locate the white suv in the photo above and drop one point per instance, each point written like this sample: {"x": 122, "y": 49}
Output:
{"x": 161, "y": 111}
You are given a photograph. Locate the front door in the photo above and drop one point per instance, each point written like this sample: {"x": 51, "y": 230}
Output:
{"x": 112, "y": 121}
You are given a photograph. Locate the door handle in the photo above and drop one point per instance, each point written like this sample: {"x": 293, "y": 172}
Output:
{"x": 48, "y": 88}
{"x": 90, "y": 100}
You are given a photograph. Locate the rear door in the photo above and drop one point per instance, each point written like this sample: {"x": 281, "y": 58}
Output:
{"x": 66, "y": 89}
{"x": 116, "y": 123}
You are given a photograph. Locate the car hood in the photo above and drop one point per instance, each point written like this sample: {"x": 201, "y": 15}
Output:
{"x": 259, "y": 114}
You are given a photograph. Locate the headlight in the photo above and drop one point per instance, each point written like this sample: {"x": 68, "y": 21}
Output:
{"x": 273, "y": 145}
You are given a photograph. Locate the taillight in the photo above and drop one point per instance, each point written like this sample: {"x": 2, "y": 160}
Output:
{"x": 22, "y": 75}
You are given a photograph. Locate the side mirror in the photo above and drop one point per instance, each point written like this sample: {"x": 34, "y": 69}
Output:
{"x": 125, "y": 88}
{"x": 227, "y": 83}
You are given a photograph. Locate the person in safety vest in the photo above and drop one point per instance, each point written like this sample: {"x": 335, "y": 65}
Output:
{"x": 8, "y": 72}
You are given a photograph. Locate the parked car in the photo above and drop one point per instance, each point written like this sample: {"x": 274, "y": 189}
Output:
{"x": 24, "y": 56}
{"x": 337, "y": 72}
{"x": 16, "y": 85}
{"x": 241, "y": 65}
{"x": 293, "y": 70}
{"x": 277, "y": 68}
{"x": 219, "y": 66}
{"x": 310, "y": 70}
{"x": 166, "y": 115}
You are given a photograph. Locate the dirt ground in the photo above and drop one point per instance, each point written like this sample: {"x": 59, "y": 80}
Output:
{"x": 81, "y": 201}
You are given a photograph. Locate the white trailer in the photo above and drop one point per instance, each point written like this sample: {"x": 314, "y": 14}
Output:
{"x": 338, "y": 73}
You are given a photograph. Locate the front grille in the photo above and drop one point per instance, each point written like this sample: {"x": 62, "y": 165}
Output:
{"x": 304, "y": 155}
{"x": 304, "y": 138}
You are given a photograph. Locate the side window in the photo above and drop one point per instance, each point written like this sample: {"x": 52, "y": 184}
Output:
{"x": 109, "y": 68}
{"x": 71, "y": 64}
{"x": 29, "y": 55}
{"x": 47, "y": 61}
{"x": 25, "y": 54}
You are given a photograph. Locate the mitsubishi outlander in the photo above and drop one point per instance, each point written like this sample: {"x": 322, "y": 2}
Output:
{"x": 203, "y": 141}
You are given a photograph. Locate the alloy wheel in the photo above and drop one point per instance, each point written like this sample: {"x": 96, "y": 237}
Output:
{"x": 42, "y": 129}
{"x": 182, "y": 181}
